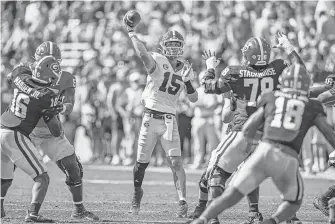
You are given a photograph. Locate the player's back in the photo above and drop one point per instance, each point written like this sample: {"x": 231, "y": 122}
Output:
{"x": 164, "y": 86}
{"x": 26, "y": 106}
{"x": 288, "y": 117}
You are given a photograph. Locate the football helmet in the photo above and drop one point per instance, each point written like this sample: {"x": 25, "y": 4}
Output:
{"x": 172, "y": 44}
{"x": 256, "y": 51}
{"x": 48, "y": 48}
{"x": 295, "y": 78}
{"x": 46, "y": 70}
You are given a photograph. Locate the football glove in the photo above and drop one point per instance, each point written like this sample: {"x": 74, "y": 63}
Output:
{"x": 187, "y": 72}
{"x": 52, "y": 111}
{"x": 131, "y": 20}
{"x": 284, "y": 43}
{"x": 211, "y": 60}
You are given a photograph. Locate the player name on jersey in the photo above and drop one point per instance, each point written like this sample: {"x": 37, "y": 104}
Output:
{"x": 251, "y": 74}
{"x": 26, "y": 89}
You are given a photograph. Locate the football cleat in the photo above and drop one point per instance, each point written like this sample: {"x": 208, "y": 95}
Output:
{"x": 198, "y": 210}
{"x": 254, "y": 218}
{"x": 37, "y": 218}
{"x": 182, "y": 210}
{"x": 294, "y": 220}
{"x": 136, "y": 202}
{"x": 84, "y": 215}
{"x": 321, "y": 205}
{"x": 214, "y": 221}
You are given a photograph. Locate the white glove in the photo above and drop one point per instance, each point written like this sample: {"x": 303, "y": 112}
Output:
{"x": 211, "y": 60}
{"x": 331, "y": 160}
{"x": 284, "y": 43}
{"x": 187, "y": 72}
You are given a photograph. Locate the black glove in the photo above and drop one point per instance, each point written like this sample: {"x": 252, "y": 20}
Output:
{"x": 52, "y": 111}
{"x": 47, "y": 118}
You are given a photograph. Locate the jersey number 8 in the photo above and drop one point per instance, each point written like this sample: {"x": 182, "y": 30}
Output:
{"x": 19, "y": 104}
{"x": 289, "y": 117}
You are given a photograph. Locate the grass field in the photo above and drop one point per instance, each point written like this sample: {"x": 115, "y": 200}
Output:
{"x": 108, "y": 192}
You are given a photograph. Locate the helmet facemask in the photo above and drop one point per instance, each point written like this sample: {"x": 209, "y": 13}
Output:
{"x": 172, "y": 48}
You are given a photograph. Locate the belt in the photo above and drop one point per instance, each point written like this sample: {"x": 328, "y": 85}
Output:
{"x": 156, "y": 114}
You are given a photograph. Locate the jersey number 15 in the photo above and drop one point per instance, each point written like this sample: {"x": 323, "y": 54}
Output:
{"x": 174, "y": 86}
{"x": 289, "y": 116}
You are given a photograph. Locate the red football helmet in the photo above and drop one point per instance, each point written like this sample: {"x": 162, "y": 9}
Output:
{"x": 256, "y": 51}
{"x": 48, "y": 48}
{"x": 295, "y": 78}
{"x": 46, "y": 70}
{"x": 172, "y": 44}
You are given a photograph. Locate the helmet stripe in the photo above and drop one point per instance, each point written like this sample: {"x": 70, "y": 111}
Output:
{"x": 296, "y": 75}
{"x": 260, "y": 47}
{"x": 51, "y": 47}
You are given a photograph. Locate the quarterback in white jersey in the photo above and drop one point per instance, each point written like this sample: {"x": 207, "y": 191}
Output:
{"x": 168, "y": 75}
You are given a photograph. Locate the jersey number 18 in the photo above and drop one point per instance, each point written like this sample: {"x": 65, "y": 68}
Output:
{"x": 289, "y": 116}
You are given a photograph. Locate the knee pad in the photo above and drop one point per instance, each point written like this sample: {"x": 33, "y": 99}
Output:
{"x": 203, "y": 183}
{"x": 72, "y": 168}
{"x": 176, "y": 162}
{"x": 218, "y": 178}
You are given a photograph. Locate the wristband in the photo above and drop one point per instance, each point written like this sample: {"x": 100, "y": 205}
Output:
{"x": 189, "y": 88}
{"x": 131, "y": 34}
{"x": 288, "y": 49}
{"x": 203, "y": 219}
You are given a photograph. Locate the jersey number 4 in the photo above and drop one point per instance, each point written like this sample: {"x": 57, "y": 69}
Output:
{"x": 19, "y": 104}
{"x": 289, "y": 117}
{"x": 266, "y": 86}
{"x": 173, "y": 87}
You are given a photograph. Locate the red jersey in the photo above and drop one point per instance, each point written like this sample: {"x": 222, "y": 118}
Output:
{"x": 287, "y": 117}
{"x": 247, "y": 84}
{"x": 27, "y": 104}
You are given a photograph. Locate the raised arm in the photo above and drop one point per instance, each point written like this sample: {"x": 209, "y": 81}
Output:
{"x": 212, "y": 85}
{"x": 130, "y": 20}
{"x": 285, "y": 44}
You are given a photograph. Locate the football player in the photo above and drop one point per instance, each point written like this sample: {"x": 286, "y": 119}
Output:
{"x": 285, "y": 116}
{"x": 256, "y": 75}
{"x": 30, "y": 102}
{"x": 326, "y": 97}
{"x": 168, "y": 75}
{"x": 59, "y": 149}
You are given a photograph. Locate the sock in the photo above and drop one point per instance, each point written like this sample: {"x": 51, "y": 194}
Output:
{"x": 202, "y": 203}
{"x": 138, "y": 172}
{"x": 34, "y": 208}
{"x": 253, "y": 198}
{"x": 328, "y": 194}
{"x": 77, "y": 196}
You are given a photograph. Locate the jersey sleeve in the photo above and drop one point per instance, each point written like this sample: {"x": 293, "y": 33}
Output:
{"x": 70, "y": 81}
{"x": 280, "y": 65}
{"x": 216, "y": 86}
{"x": 317, "y": 108}
{"x": 155, "y": 71}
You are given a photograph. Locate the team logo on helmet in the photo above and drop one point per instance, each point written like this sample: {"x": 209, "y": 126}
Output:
{"x": 55, "y": 67}
{"x": 165, "y": 66}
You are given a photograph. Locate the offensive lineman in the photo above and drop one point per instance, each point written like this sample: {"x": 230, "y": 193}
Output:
{"x": 255, "y": 76}
{"x": 168, "y": 75}
{"x": 286, "y": 116}
{"x": 30, "y": 101}
{"x": 59, "y": 149}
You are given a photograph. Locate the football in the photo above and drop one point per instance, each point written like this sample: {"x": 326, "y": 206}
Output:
{"x": 132, "y": 18}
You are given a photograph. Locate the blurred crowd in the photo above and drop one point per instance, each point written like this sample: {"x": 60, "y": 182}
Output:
{"x": 110, "y": 77}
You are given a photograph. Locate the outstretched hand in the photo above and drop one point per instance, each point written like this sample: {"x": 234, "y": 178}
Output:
{"x": 283, "y": 42}
{"x": 211, "y": 60}
{"x": 186, "y": 72}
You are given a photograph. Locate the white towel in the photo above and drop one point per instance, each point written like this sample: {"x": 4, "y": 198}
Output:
{"x": 169, "y": 127}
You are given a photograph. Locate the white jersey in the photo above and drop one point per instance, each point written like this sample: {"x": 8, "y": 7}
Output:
{"x": 164, "y": 86}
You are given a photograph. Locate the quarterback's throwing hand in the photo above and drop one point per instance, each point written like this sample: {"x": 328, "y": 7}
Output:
{"x": 211, "y": 60}
{"x": 131, "y": 20}
{"x": 186, "y": 72}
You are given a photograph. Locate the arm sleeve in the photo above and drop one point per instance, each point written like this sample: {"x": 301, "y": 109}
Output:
{"x": 212, "y": 85}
